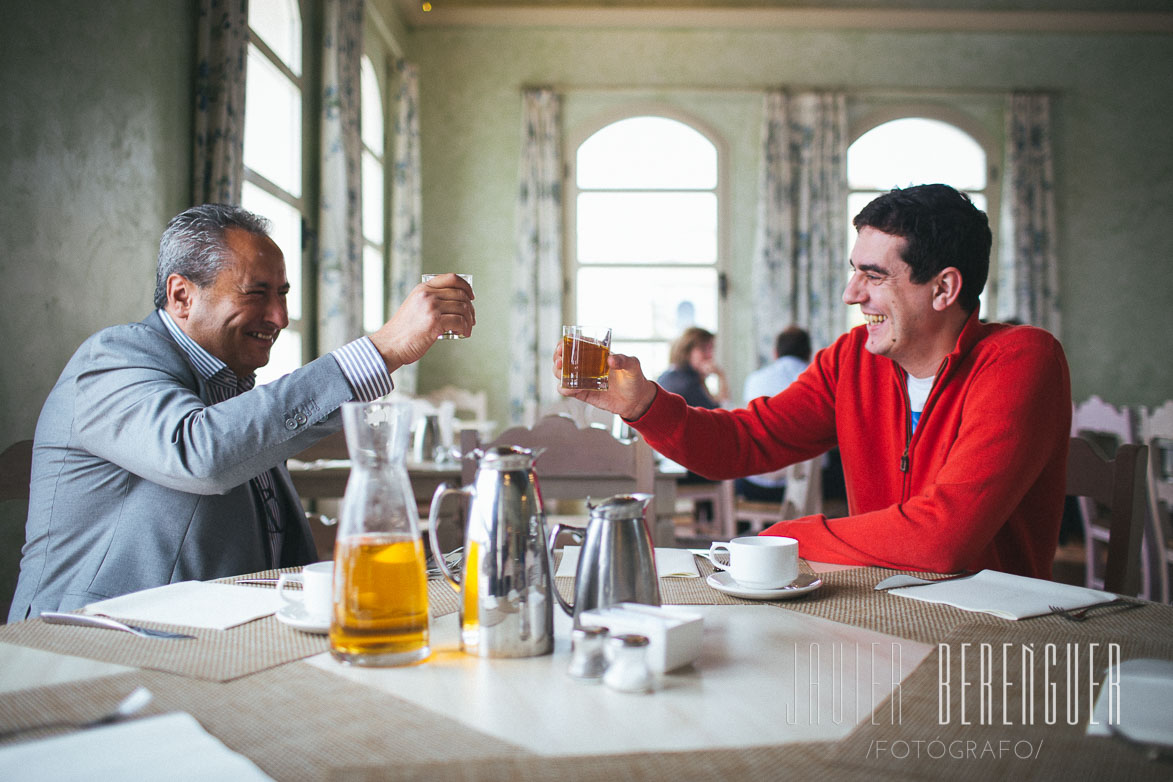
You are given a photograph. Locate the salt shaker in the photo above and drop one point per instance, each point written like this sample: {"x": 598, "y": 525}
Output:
{"x": 587, "y": 660}
{"x": 628, "y": 669}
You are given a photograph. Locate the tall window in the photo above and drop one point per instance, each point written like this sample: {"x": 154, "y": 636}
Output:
{"x": 645, "y": 250}
{"x": 914, "y": 151}
{"x": 273, "y": 183}
{"x": 374, "y": 276}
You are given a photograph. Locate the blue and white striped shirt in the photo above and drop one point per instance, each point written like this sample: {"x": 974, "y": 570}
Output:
{"x": 361, "y": 364}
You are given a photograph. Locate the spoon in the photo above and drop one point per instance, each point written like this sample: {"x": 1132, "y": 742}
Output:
{"x": 132, "y": 704}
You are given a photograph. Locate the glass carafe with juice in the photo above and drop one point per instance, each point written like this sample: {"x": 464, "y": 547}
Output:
{"x": 380, "y": 577}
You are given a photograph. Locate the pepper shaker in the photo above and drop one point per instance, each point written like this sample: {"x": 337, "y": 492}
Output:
{"x": 587, "y": 658}
{"x": 628, "y": 669}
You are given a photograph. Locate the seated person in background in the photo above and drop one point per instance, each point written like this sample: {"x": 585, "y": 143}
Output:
{"x": 156, "y": 460}
{"x": 792, "y": 354}
{"x": 953, "y": 433}
{"x": 692, "y": 362}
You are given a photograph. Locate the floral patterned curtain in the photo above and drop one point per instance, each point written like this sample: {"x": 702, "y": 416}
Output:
{"x": 1028, "y": 275}
{"x": 406, "y": 212}
{"x": 340, "y": 212}
{"x": 536, "y": 317}
{"x": 799, "y": 266}
{"x": 222, "y": 55}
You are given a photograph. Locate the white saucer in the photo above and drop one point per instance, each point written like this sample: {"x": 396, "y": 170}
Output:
{"x": 723, "y": 582}
{"x": 295, "y": 616}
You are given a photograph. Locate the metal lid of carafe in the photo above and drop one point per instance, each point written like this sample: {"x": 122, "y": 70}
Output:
{"x": 621, "y": 506}
{"x": 505, "y": 457}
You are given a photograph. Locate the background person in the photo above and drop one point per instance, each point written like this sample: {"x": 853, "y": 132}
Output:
{"x": 693, "y": 361}
{"x": 975, "y": 480}
{"x": 792, "y": 354}
{"x": 156, "y": 459}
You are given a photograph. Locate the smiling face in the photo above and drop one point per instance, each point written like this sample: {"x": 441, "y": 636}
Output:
{"x": 238, "y": 317}
{"x": 906, "y": 322}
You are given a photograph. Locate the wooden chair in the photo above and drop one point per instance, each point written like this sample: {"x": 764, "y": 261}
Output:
{"x": 721, "y": 497}
{"x": 470, "y": 408}
{"x": 1109, "y": 427}
{"x": 803, "y": 497}
{"x": 1156, "y": 432}
{"x": 16, "y": 466}
{"x": 1118, "y": 485}
{"x": 576, "y": 464}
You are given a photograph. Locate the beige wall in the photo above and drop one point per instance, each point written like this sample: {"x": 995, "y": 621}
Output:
{"x": 95, "y": 129}
{"x": 1113, "y": 163}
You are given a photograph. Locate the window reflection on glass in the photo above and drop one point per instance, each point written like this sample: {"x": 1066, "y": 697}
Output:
{"x": 374, "y": 210}
{"x": 278, "y": 24}
{"x": 647, "y": 152}
{"x": 272, "y": 124}
{"x": 373, "y": 288}
{"x": 372, "y": 198}
{"x": 372, "y": 106}
{"x": 286, "y": 233}
{"x": 646, "y": 229}
{"x": 915, "y": 151}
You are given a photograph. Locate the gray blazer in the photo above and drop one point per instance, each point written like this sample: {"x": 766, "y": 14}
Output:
{"x": 138, "y": 481}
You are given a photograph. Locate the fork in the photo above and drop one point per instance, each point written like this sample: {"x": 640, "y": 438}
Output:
{"x": 87, "y": 620}
{"x": 1081, "y": 614}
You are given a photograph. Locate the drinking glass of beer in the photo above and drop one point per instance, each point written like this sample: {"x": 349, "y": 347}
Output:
{"x": 584, "y": 356}
{"x": 380, "y": 577}
{"x": 467, "y": 278}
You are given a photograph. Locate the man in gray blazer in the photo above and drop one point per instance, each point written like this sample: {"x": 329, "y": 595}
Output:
{"x": 157, "y": 460}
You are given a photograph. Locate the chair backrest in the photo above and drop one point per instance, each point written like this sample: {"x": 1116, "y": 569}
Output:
{"x": 575, "y": 463}
{"x": 804, "y": 489}
{"x": 470, "y": 406}
{"x": 16, "y": 467}
{"x": 1119, "y": 485}
{"x": 1103, "y": 423}
{"x": 581, "y": 413}
{"x": 1156, "y": 432}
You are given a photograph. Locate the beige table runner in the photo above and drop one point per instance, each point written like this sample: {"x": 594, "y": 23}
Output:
{"x": 215, "y": 655}
{"x": 295, "y": 722}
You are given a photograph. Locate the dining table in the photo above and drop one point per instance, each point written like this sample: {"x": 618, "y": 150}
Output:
{"x": 838, "y": 682}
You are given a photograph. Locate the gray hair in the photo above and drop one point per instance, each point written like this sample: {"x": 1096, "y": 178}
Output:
{"x": 193, "y": 244}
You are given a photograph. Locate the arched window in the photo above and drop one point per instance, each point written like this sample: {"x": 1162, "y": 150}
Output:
{"x": 914, "y": 150}
{"x": 273, "y": 184}
{"x": 645, "y": 250}
{"x": 374, "y": 222}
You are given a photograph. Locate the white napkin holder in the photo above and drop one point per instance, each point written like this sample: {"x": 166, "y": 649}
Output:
{"x": 674, "y": 636}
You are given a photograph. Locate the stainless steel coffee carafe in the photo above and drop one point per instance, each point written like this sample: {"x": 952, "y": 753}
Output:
{"x": 506, "y": 590}
{"x": 616, "y": 563}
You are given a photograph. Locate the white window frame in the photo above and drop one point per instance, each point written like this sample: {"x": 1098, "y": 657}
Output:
{"x": 575, "y": 139}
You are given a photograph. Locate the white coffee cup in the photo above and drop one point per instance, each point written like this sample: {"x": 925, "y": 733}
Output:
{"x": 760, "y": 561}
{"x": 316, "y": 597}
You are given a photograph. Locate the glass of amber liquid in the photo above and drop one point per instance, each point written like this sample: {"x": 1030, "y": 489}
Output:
{"x": 584, "y": 356}
{"x": 380, "y": 612}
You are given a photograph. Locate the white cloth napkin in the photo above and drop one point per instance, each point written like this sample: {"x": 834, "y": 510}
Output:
{"x": 1140, "y": 706}
{"x": 670, "y": 563}
{"x": 1005, "y": 595}
{"x": 170, "y": 746}
{"x": 191, "y": 604}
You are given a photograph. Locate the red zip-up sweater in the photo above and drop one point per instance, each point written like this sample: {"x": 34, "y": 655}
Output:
{"x": 979, "y": 484}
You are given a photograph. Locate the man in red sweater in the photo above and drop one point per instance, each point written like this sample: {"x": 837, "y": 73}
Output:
{"x": 953, "y": 432}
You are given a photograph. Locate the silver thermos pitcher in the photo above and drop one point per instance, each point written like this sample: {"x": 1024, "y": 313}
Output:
{"x": 617, "y": 563}
{"x": 505, "y": 586}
